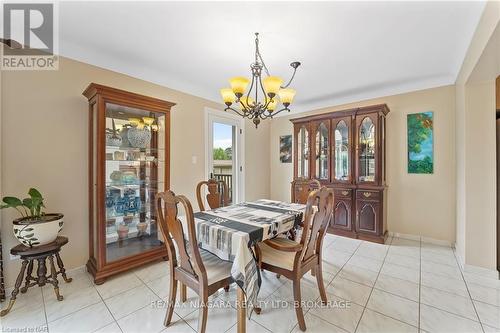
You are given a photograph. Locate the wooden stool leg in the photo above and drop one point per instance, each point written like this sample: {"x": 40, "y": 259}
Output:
{"x": 61, "y": 268}
{"x": 41, "y": 272}
{"x": 19, "y": 281}
{"x": 28, "y": 277}
{"x": 54, "y": 281}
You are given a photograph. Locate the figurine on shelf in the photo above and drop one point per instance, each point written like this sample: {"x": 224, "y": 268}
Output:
{"x": 113, "y": 137}
{"x": 116, "y": 177}
{"x": 127, "y": 220}
{"x": 142, "y": 227}
{"x": 124, "y": 136}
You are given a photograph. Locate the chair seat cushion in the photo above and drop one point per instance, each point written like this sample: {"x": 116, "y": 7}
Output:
{"x": 217, "y": 269}
{"x": 278, "y": 258}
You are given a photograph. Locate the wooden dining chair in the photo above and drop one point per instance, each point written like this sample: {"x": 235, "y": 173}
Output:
{"x": 198, "y": 269}
{"x": 217, "y": 196}
{"x": 301, "y": 187}
{"x": 294, "y": 259}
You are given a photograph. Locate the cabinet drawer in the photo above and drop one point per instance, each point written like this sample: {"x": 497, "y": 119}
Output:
{"x": 343, "y": 193}
{"x": 367, "y": 195}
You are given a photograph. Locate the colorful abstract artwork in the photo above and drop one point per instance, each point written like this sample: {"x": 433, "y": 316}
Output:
{"x": 420, "y": 128}
{"x": 286, "y": 149}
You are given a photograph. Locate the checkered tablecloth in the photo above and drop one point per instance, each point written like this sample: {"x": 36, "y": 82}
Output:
{"x": 231, "y": 232}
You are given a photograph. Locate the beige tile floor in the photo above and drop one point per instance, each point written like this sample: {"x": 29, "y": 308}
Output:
{"x": 403, "y": 286}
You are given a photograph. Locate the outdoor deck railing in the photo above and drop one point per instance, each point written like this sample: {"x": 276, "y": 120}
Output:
{"x": 228, "y": 179}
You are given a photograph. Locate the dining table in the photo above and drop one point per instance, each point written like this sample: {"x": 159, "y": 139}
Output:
{"x": 231, "y": 233}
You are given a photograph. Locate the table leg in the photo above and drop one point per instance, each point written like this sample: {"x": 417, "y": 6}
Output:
{"x": 240, "y": 305}
{"x": 19, "y": 281}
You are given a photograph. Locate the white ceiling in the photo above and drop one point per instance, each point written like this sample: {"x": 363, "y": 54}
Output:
{"x": 349, "y": 50}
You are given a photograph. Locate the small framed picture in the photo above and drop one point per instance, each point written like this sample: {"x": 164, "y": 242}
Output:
{"x": 286, "y": 149}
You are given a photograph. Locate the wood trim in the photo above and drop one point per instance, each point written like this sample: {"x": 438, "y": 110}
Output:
{"x": 383, "y": 108}
{"x": 142, "y": 100}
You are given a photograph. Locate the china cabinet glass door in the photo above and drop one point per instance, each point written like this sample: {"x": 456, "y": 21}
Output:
{"x": 134, "y": 173}
{"x": 342, "y": 147}
{"x": 366, "y": 149}
{"x": 322, "y": 169}
{"x": 303, "y": 152}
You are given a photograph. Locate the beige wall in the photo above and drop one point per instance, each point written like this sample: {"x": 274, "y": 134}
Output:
{"x": 44, "y": 144}
{"x": 417, "y": 204}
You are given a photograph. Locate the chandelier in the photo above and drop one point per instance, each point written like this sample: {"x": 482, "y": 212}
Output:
{"x": 268, "y": 89}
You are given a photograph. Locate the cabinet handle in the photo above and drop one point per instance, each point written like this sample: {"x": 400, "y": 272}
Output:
{"x": 367, "y": 194}
{"x": 345, "y": 192}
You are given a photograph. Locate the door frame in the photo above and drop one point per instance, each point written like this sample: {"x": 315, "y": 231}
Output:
{"x": 212, "y": 115}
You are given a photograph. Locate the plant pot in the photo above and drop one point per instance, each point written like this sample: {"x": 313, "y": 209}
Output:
{"x": 142, "y": 226}
{"x": 122, "y": 231}
{"x": 38, "y": 232}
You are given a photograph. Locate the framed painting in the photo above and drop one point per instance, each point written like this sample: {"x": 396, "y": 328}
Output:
{"x": 286, "y": 149}
{"x": 420, "y": 128}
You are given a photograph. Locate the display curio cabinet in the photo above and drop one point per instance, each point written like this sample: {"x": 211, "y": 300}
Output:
{"x": 345, "y": 150}
{"x": 129, "y": 155}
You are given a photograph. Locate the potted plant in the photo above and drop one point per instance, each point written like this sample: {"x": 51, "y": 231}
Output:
{"x": 34, "y": 227}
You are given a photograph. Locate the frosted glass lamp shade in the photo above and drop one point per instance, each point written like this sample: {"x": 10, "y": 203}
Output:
{"x": 272, "y": 85}
{"x": 228, "y": 96}
{"x": 286, "y": 96}
{"x": 239, "y": 85}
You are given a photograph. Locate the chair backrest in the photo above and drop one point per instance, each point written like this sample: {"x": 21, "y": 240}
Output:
{"x": 317, "y": 217}
{"x": 301, "y": 188}
{"x": 189, "y": 260}
{"x": 217, "y": 195}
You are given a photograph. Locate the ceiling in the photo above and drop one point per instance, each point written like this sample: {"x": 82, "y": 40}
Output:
{"x": 349, "y": 51}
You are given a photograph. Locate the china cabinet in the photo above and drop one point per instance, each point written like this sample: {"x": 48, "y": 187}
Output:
{"x": 345, "y": 150}
{"x": 129, "y": 154}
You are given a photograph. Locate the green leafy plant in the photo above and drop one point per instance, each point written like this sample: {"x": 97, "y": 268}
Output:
{"x": 30, "y": 208}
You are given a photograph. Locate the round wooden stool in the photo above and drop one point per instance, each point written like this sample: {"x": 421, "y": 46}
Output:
{"x": 40, "y": 254}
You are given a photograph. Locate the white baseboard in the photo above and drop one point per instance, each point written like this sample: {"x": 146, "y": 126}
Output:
{"x": 419, "y": 238}
{"x": 404, "y": 236}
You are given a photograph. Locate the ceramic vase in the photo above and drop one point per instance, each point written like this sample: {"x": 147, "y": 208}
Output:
{"x": 139, "y": 138}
